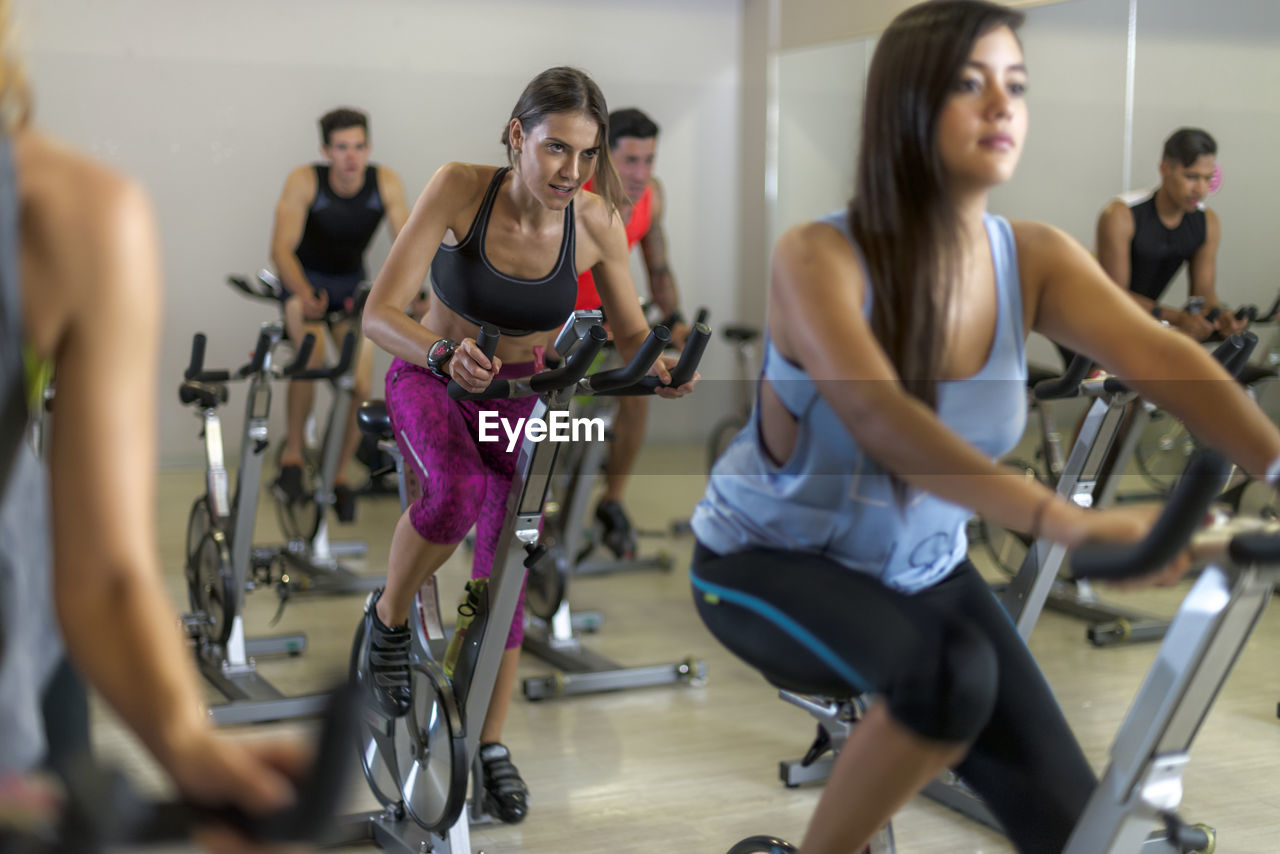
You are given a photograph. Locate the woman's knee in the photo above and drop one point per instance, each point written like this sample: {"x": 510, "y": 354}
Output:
{"x": 950, "y": 693}
{"x": 448, "y": 509}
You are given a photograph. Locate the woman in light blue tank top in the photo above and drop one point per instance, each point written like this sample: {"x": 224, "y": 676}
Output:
{"x": 831, "y": 546}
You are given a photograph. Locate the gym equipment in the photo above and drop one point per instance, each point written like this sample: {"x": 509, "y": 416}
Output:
{"x": 417, "y": 764}
{"x": 743, "y": 339}
{"x": 220, "y": 559}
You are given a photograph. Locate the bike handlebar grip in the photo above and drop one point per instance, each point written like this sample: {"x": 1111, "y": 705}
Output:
{"x": 632, "y": 371}
{"x": 1242, "y": 359}
{"x": 259, "y": 357}
{"x": 195, "y": 370}
{"x": 197, "y": 357}
{"x": 347, "y": 358}
{"x": 1114, "y": 385}
{"x": 694, "y": 347}
{"x": 1199, "y": 485}
{"x": 300, "y": 359}
{"x": 1067, "y": 385}
{"x": 576, "y": 366}
{"x": 1247, "y": 313}
{"x": 1213, "y": 314}
{"x": 241, "y": 283}
{"x": 487, "y": 340}
{"x": 701, "y": 316}
{"x": 1255, "y": 547}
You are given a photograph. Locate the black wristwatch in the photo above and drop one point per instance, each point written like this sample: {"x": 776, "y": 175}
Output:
{"x": 439, "y": 353}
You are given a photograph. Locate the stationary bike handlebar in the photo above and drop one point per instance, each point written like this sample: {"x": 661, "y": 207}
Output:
{"x": 101, "y": 809}
{"x": 630, "y": 379}
{"x": 1199, "y": 485}
{"x": 1233, "y": 353}
{"x": 1067, "y": 385}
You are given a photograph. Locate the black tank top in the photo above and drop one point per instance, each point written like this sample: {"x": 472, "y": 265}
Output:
{"x": 465, "y": 281}
{"x": 1157, "y": 252}
{"x": 339, "y": 228}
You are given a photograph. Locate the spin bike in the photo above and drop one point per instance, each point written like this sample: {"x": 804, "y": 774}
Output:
{"x": 1141, "y": 788}
{"x": 417, "y": 765}
{"x": 313, "y": 559}
{"x": 552, "y": 628}
{"x": 221, "y": 561}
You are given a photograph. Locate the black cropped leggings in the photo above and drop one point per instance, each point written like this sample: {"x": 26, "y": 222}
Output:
{"x": 947, "y": 661}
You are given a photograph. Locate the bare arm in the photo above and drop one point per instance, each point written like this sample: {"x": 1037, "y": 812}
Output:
{"x": 291, "y": 216}
{"x": 662, "y": 282}
{"x": 1115, "y": 234}
{"x": 91, "y": 265}
{"x": 1203, "y": 274}
{"x": 447, "y": 194}
{"x": 1075, "y": 304}
{"x": 393, "y": 201}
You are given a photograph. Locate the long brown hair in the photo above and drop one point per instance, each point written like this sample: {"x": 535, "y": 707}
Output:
{"x": 567, "y": 90}
{"x": 902, "y": 215}
{"x": 15, "y": 98}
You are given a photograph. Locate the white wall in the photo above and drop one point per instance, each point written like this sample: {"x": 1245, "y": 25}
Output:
{"x": 1218, "y": 69}
{"x": 210, "y": 105}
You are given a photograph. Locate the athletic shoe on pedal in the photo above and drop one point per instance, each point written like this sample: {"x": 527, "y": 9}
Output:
{"x": 505, "y": 794}
{"x": 387, "y": 654}
{"x": 344, "y": 502}
{"x": 618, "y": 536}
{"x": 289, "y": 482}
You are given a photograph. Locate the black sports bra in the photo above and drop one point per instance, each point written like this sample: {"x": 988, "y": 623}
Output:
{"x": 465, "y": 281}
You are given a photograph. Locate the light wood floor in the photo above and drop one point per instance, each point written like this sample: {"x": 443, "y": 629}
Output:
{"x": 694, "y": 769}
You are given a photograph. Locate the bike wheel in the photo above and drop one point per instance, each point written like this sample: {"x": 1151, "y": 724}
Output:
{"x": 376, "y": 736}
{"x": 199, "y": 523}
{"x": 432, "y": 759}
{"x": 722, "y": 434}
{"x": 1163, "y": 452}
{"x": 214, "y": 595}
{"x": 763, "y": 845}
{"x": 299, "y": 519}
{"x": 545, "y": 586}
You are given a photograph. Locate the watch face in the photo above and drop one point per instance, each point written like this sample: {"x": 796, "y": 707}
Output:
{"x": 440, "y": 350}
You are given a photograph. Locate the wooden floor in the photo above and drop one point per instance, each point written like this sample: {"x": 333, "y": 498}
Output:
{"x": 694, "y": 768}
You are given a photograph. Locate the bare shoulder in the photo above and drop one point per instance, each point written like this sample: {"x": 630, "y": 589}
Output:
{"x": 1116, "y": 217}
{"x": 817, "y": 245}
{"x": 461, "y": 183}
{"x": 74, "y": 203}
{"x": 594, "y": 214}
{"x": 387, "y": 177}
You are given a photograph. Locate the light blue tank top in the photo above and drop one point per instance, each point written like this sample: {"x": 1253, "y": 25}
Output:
{"x": 832, "y": 499}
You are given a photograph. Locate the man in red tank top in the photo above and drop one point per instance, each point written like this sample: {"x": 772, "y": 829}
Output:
{"x": 633, "y": 144}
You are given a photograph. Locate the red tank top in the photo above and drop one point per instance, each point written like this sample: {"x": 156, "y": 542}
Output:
{"x": 638, "y": 225}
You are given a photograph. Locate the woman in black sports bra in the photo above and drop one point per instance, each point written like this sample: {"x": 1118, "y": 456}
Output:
{"x": 502, "y": 246}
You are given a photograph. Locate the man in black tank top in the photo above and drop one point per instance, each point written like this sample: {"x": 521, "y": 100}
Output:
{"x": 325, "y": 220}
{"x": 1143, "y": 244}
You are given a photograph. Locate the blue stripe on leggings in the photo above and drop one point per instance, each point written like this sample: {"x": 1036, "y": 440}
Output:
{"x": 798, "y": 632}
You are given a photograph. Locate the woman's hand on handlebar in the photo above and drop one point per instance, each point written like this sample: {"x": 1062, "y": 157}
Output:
{"x": 471, "y": 369}
{"x": 662, "y": 370}
{"x": 1129, "y": 524}
{"x": 256, "y": 776}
